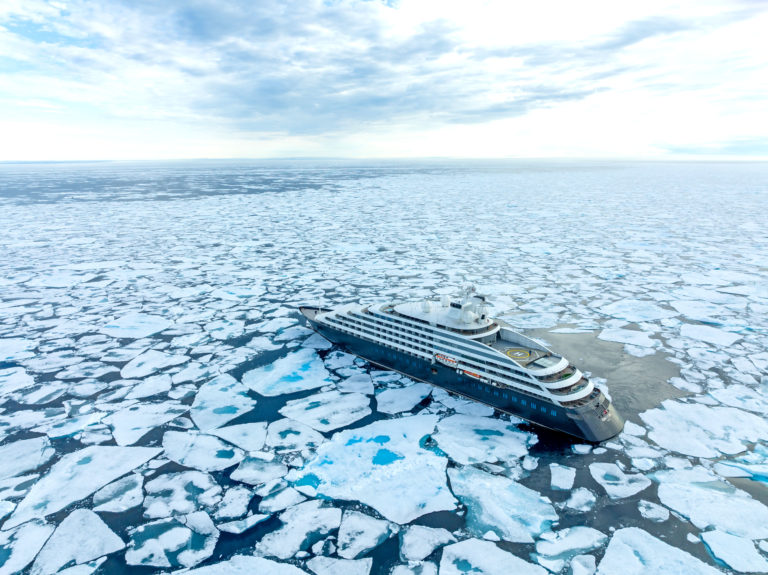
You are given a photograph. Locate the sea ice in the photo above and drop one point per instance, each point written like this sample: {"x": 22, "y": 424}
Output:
{"x": 302, "y": 525}
{"x": 150, "y": 386}
{"x": 400, "y": 399}
{"x": 24, "y": 455}
{"x": 581, "y": 499}
{"x": 134, "y": 422}
{"x": 234, "y": 504}
{"x": 359, "y": 533}
{"x": 483, "y": 557}
{"x": 583, "y": 565}
{"x": 628, "y": 336}
{"x": 514, "y": 512}
{"x": 473, "y": 439}
{"x": 247, "y": 436}
{"x": 358, "y": 383}
{"x": 19, "y": 546}
{"x": 219, "y": 401}
{"x": 299, "y": 371}
{"x": 633, "y": 551}
{"x": 418, "y": 542}
{"x": 636, "y": 311}
{"x": 370, "y": 463}
{"x": 460, "y": 405}
{"x": 709, "y": 334}
{"x": 566, "y": 543}
{"x": 422, "y": 568}
{"x": 616, "y": 483}
{"x": 737, "y": 553}
{"x": 200, "y": 451}
{"x": 286, "y": 435}
{"x": 150, "y": 362}
{"x": 742, "y": 397}
{"x": 702, "y": 430}
{"x": 708, "y": 501}
{"x": 178, "y": 493}
{"x": 247, "y": 565}
{"x": 562, "y": 476}
{"x": 135, "y": 326}
{"x": 77, "y": 475}
{"x": 81, "y": 537}
{"x": 121, "y": 495}
{"x": 652, "y": 511}
{"x": 179, "y": 541}
{"x": 256, "y": 471}
{"x": 14, "y": 379}
{"x": 16, "y": 349}
{"x": 239, "y": 526}
{"x": 281, "y": 499}
{"x": 328, "y": 410}
{"x": 332, "y": 566}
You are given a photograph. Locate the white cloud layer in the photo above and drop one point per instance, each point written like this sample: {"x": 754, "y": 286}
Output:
{"x": 113, "y": 80}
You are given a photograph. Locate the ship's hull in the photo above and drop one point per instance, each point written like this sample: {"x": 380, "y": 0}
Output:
{"x": 585, "y": 424}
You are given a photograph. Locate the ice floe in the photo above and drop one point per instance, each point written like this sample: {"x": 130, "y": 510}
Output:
{"x": 633, "y": 551}
{"x": 581, "y": 499}
{"x": 135, "y": 326}
{"x": 709, "y": 334}
{"x": 302, "y": 525}
{"x": 636, "y": 310}
{"x": 301, "y": 370}
{"x": 371, "y": 463}
{"x": 134, "y": 422}
{"x": 511, "y": 510}
{"x": 121, "y": 495}
{"x": 257, "y": 471}
{"x": 179, "y": 493}
{"x": 247, "y": 565}
{"x": 557, "y": 548}
{"x": 652, "y": 511}
{"x": 219, "y": 401}
{"x": 239, "y": 526}
{"x": 738, "y": 553}
{"x": 627, "y": 336}
{"x": 328, "y": 410}
{"x": 473, "y": 439}
{"x": 247, "y": 436}
{"x": 150, "y": 362}
{"x": 333, "y": 566}
{"x": 77, "y": 475}
{"x": 400, "y": 399}
{"x": 280, "y": 499}
{"x": 483, "y": 558}
{"x": 562, "y": 476}
{"x": 16, "y": 349}
{"x": 286, "y": 435}
{"x": 81, "y": 537}
{"x": 180, "y": 541}
{"x": 24, "y": 456}
{"x": 200, "y": 451}
{"x": 616, "y": 483}
{"x": 359, "y": 533}
{"x": 417, "y": 542}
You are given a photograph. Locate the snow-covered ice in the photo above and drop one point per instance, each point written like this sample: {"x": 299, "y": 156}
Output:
{"x": 302, "y": 525}
{"x": 616, "y": 483}
{"x": 738, "y": 553}
{"x": 328, "y": 410}
{"x": 200, "y": 451}
{"x": 129, "y": 425}
{"x": 24, "y": 456}
{"x": 120, "y": 495}
{"x": 246, "y": 436}
{"x": 299, "y": 371}
{"x": 472, "y": 439}
{"x": 177, "y": 493}
{"x": 333, "y": 566}
{"x": 562, "y": 476}
{"x": 135, "y": 326}
{"x": 18, "y": 547}
{"x": 219, "y": 401}
{"x": 256, "y": 471}
{"x": 247, "y": 565}
{"x": 400, "y": 399}
{"x": 150, "y": 362}
{"x": 359, "y": 533}
{"x": 417, "y": 542}
{"x": 483, "y": 558}
{"x": 179, "y": 541}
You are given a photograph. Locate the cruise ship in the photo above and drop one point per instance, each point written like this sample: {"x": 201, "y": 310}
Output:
{"x": 456, "y": 346}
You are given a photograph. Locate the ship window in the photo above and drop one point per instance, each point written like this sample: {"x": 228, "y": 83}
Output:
{"x": 505, "y": 395}
{"x": 544, "y": 410}
{"x": 523, "y": 402}
{"x": 554, "y": 412}
{"x": 533, "y": 405}
{"x": 496, "y": 393}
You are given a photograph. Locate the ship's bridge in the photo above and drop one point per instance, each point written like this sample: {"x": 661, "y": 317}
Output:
{"x": 466, "y": 318}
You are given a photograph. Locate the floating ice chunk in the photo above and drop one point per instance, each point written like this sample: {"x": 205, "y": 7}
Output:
{"x": 200, "y": 451}
{"x": 633, "y": 551}
{"x": 399, "y": 399}
{"x": 18, "y": 547}
{"x": 371, "y": 463}
{"x": 423, "y": 568}
{"x": 298, "y": 371}
{"x": 636, "y": 310}
{"x": 483, "y": 557}
{"x": 151, "y": 386}
{"x": 652, "y": 511}
{"x": 16, "y": 349}
{"x": 219, "y": 401}
{"x": 132, "y": 423}
{"x": 256, "y": 471}
{"x": 194, "y": 372}
{"x": 81, "y": 537}
{"x": 460, "y": 405}
{"x": 339, "y": 360}
{"x": 634, "y": 429}
{"x": 242, "y": 525}
{"x": 359, "y": 533}
{"x": 709, "y": 334}
{"x": 237, "y": 293}
{"x": 302, "y": 526}
{"x": 533, "y": 320}
{"x": 742, "y": 397}
{"x": 247, "y": 436}
{"x": 123, "y": 494}
{"x": 707, "y": 501}
{"x": 628, "y": 336}
{"x": 17, "y": 487}
{"x": 331, "y": 566}
{"x": 566, "y": 543}
{"x": 562, "y": 476}
{"x": 328, "y": 410}
{"x": 285, "y": 435}
{"x": 581, "y": 448}
{"x": 280, "y": 500}
{"x": 24, "y": 455}
{"x": 182, "y": 541}
{"x": 77, "y": 475}
{"x": 135, "y": 326}
{"x": 737, "y": 553}
{"x": 418, "y": 542}
{"x": 183, "y": 492}
{"x": 616, "y": 483}
{"x": 581, "y": 499}
{"x": 472, "y": 439}
{"x": 149, "y": 362}
{"x": 316, "y": 341}
{"x": 358, "y": 383}
{"x": 14, "y": 379}
{"x": 583, "y": 565}
{"x": 703, "y": 430}
{"x": 6, "y": 508}
{"x": 41, "y": 394}
{"x": 225, "y": 329}
{"x": 247, "y": 565}
{"x": 234, "y": 503}
{"x": 513, "y": 511}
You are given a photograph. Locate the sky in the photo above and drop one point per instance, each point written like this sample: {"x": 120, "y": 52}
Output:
{"x": 143, "y": 79}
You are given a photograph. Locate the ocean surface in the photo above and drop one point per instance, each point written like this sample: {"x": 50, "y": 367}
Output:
{"x": 164, "y": 406}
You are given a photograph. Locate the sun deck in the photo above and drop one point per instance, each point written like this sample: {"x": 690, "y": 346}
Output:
{"x": 521, "y": 354}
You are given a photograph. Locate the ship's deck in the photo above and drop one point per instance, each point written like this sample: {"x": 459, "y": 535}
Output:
{"x": 522, "y": 355}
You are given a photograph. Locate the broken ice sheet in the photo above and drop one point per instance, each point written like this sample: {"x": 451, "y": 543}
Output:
{"x": 417, "y": 542}
{"x": 560, "y": 546}
{"x": 495, "y": 503}
{"x": 247, "y": 565}
{"x": 472, "y": 439}
{"x": 247, "y": 436}
{"x": 302, "y": 525}
{"x": 738, "y": 553}
{"x": 328, "y": 410}
{"x": 219, "y": 401}
{"x": 562, "y": 476}
{"x": 483, "y": 558}
{"x": 24, "y": 455}
{"x": 371, "y": 463}
{"x": 333, "y": 566}
{"x": 616, "y": 483}
{"x": 200, "y": 451}
{"x": 150, "y": 362}
{"x": 399, "y": 399}
{"x": 301, "y": 370}
{"x": 134, "y": 422}
{"x": 121, "y": 495}
{"x": 18, "y": 547}
{"x": 77, "y": 475}
{"x": 135, "y": 326}
{"x": 257, "y": 470}
{"x": 180, "y": 541}
{"x": 178, "y": 493}
{"x": 359, "y": 533}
